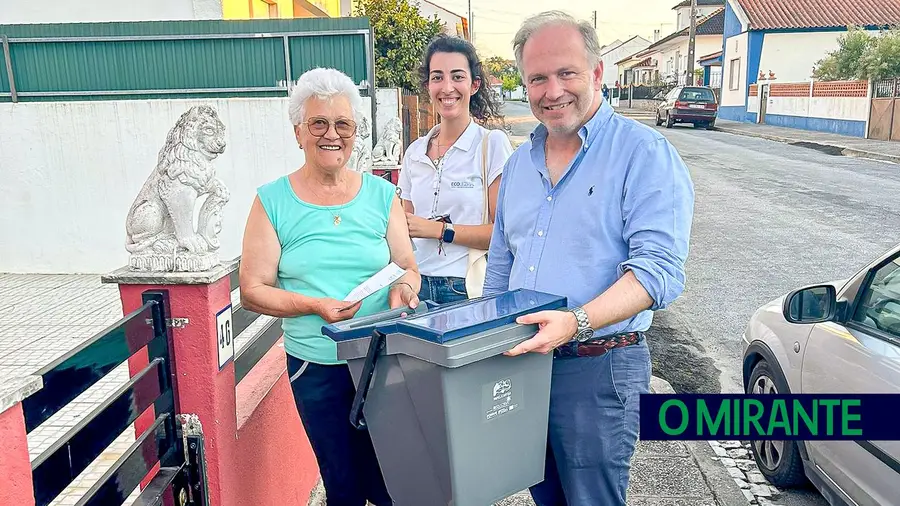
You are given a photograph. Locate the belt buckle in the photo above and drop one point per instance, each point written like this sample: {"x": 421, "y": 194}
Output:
{"x": 569, "y": 349}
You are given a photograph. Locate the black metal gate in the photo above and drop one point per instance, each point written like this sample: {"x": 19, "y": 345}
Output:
{"x": 173, "y": 441}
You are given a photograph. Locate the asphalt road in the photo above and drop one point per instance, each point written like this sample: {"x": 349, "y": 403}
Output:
{"x": 769, "y": 218}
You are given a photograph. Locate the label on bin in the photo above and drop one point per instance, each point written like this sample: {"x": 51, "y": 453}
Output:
{"x": 501, "y": 397}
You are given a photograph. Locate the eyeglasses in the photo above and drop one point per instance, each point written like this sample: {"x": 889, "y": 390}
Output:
{"x": 318, "y": 127}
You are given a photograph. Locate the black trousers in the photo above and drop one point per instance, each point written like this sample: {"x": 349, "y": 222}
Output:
{"x": 323, "y": 395}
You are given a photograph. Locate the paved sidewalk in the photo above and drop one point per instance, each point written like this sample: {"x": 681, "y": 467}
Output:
{"x": 833, "y": 143}
{"x": 635, "y": 113}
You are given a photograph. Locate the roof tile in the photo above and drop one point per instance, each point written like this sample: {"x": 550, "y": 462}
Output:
{"x": 712, "y": 24}
{"x": 781, "y": 14}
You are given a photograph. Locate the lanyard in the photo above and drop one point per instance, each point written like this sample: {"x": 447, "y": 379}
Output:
{"x": 436, "y": 184}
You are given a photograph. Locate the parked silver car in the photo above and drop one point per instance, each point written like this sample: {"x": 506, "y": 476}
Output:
{"x": 837, "y": 337}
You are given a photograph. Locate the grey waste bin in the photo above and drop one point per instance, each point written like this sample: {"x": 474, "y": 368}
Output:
{"x": 453, "y": 420}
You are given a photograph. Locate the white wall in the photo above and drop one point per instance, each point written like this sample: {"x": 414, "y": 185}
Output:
{"x": 610, "y": 69}
{"x": 683, "y": 15}
{"x": 677, "y": 52}
{"x": 72, "y": 11}
{"x": 845, "y": 108}
{"x": 71, "y": 170}
{"x": 849, "y": 108}
{"x": 753, "y": 104}
{"x": 841, "y": 108}
{"x": 791, "y": 56}
{"x": 735, "y": 47}
{"x": 452, "y": 21}
{"x": 789, "y": 106}
{"x": 387, "y": 106}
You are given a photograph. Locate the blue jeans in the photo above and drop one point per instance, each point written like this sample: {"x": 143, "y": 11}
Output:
{"x": 594, "y": 422}
{"x": 443, "y": 289}
{"x": 323, "y": 395}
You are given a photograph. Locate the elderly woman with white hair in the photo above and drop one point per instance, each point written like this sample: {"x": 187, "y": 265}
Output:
{"x": 311, "y": 237}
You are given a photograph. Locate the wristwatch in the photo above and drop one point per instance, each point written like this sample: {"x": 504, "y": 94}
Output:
{"x": 585, "y": 331}
{"x": 449, "y": 233}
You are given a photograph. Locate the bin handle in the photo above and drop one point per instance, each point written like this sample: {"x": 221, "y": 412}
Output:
{"x": 376, "y": 345}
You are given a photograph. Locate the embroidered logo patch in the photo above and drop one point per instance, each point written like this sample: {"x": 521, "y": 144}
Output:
{"x": 462, "y": 184}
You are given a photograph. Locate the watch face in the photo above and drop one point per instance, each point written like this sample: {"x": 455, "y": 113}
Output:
{"x": 584, "y": 335}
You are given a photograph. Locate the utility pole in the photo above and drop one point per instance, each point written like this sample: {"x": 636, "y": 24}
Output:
{"x": 595, "y": 20}
{"x": 471, "y": 33}
{"x": 692, "y": 40}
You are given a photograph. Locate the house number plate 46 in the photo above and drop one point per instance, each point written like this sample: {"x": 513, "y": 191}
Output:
{"x": 224, "y": 336}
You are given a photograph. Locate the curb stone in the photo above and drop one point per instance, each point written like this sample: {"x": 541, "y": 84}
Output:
{"x": 845, "y": 151}
{"x": 723, "y": 486}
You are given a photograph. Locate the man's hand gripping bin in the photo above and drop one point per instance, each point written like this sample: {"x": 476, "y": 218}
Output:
{"x": 453, "y": 420}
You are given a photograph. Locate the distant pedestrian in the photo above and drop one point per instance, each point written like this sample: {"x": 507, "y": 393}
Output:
{"x": 597, "y": 208}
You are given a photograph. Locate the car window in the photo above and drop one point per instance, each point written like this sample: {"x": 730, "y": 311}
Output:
{"x": 879, "y": 305}
{"x": 698, "y": 94}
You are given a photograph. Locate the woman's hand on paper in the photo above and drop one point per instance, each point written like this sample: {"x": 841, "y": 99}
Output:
{"x": 333, "y": 311}
{"x": 402, "y": 295}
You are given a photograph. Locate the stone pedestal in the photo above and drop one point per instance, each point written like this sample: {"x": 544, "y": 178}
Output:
{"x": 390, "y": 171}
{"x": 16, "y": 486}
{"x": 202, "y": 353}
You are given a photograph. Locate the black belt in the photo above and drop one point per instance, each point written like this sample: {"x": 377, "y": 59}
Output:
{"x": 598, "y": 346}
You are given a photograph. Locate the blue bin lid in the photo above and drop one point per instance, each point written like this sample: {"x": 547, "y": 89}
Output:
{"x": 452, "y": 321}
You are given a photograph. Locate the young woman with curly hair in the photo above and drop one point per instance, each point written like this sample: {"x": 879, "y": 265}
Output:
{"x": 441, "y": 179}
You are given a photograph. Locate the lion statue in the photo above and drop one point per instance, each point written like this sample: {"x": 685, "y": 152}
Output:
{"x": 387, "y": 150}
{"x": 361, "y": 157}
{"x": 160, "y": 223}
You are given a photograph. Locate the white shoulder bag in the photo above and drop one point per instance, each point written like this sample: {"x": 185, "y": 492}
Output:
{"x": 478, "y": 258}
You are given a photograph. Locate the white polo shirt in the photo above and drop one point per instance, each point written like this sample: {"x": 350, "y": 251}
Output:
{"x": 459, "y": 188}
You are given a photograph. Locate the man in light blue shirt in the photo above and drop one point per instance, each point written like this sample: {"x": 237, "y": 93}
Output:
{"x": 597, "y": 208}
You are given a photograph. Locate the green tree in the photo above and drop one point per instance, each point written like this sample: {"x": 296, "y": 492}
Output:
{"x": 511, "y": 82}
{"x": 846, "y": 62}
{"x": 401, "y": 36}
{"x": 495, "y": 66}
{"x": 862, "y": 55}
{"x": 883, "y": 58}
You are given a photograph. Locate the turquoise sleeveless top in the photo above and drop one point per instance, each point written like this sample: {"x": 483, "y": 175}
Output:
{"x": 319, "y": 259}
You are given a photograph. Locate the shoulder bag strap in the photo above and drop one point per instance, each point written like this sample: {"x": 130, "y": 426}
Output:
{"x": 484, "y": 173}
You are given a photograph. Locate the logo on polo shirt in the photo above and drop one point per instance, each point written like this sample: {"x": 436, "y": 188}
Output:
{"x": 462, "y": 184}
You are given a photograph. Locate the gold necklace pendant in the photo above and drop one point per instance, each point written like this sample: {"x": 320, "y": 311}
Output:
{"x": 337, "y": 220}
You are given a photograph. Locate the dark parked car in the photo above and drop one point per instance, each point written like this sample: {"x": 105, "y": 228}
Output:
{"x": 688, "y": 104}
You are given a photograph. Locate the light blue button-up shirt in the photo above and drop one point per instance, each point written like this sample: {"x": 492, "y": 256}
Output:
{"x": 625, "y": 202}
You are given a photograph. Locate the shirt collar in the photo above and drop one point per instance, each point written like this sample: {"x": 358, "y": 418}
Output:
{"x": 588, "y": 132}
{"x": 466, "y": 141}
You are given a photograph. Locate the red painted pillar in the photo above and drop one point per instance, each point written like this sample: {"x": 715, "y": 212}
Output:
{"x": 202, "y": 387}
{"x": 16, "y": 486}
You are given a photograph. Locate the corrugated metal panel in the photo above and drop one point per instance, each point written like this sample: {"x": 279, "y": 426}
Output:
{"x": 346, "y": 53}
{"x": 218, "y": 67}
{"x": 184, "y": 27}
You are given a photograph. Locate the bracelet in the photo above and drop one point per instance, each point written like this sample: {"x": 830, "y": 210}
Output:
{"x": 407, "y": 284}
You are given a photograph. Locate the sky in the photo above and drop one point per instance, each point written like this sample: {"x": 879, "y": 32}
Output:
{"x": 495, "y": 22}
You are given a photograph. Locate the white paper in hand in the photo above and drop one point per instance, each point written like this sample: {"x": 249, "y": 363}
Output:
{"x": 381, "y": 279}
